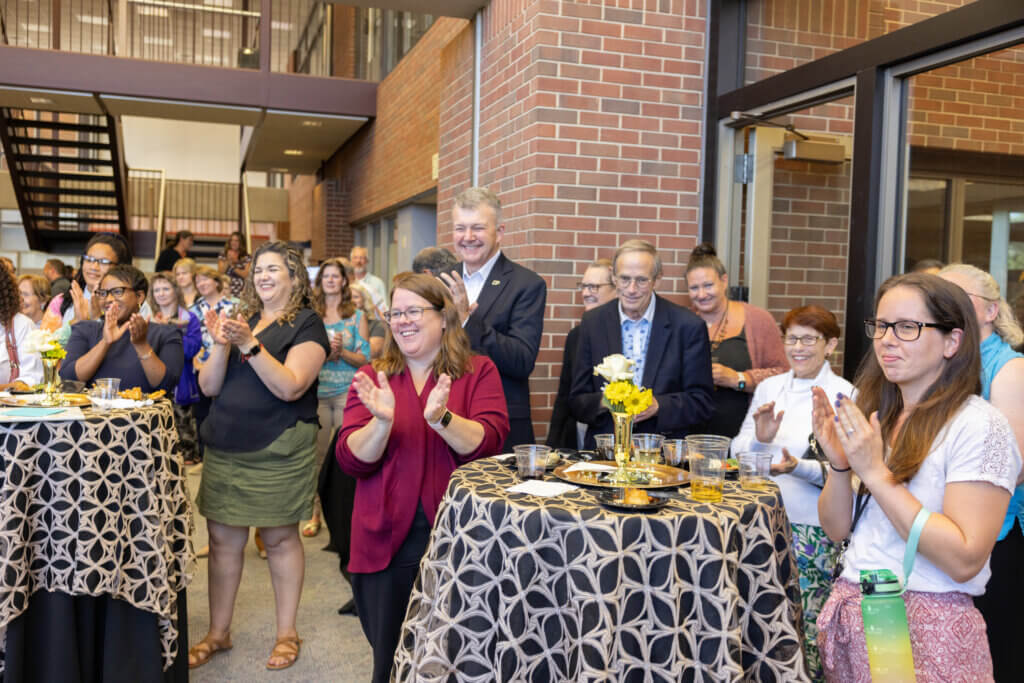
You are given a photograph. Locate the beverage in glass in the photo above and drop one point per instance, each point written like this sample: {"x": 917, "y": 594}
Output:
{"x": 674, "y": 451}
{"x": 647, "y": 448}
{"x": 754, "y": 470}
{"x": 707, "y": 453}
{"x": 605, "y": 446}
{"x": 532, "y": 460}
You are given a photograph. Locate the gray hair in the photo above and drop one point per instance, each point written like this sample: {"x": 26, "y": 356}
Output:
{"x": 473, "y": 197}
{"x": 643, "y": 246}
{"x": 1005, "y": 324}
{"x": 434, "y": 260}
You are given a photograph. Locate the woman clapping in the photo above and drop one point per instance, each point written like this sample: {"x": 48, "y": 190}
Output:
{"x": 426, "y": 406}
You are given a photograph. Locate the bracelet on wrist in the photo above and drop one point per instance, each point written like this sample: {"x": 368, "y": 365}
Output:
{"x": 836, "y": 469}
{"x": 147, "y": 356}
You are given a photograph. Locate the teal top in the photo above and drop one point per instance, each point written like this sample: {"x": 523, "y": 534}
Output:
{"x": 336, "y": 375}
{"x": 995, "y": 353}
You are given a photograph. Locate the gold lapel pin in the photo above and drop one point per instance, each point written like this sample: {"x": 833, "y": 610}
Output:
{"x": 495, "y": 283}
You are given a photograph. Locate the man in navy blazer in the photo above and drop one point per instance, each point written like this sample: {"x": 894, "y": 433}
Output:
{"x": 668, "y": 344}
{"x": 500, "y": 302}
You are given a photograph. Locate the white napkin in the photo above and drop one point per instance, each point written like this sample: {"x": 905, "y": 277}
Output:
{"x": 111, "y": 403}
{"x": 536, "y": 487}
{"x": 590, "y": 467}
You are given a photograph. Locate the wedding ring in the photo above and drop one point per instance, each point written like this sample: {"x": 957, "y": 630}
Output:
{"x": 849, "y": 432}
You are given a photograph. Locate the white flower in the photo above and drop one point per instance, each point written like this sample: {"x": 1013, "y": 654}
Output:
{"x": 614, "y": 368}
{"x": 40, "y": 341}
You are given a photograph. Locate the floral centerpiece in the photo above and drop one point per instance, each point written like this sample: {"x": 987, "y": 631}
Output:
{"x": 625, "y": 400}
{"x": 48, "y": 341}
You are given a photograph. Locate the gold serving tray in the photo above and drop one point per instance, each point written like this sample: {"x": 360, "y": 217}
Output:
{"x": 70, "y": 400}
{"x": 661, "y": 476}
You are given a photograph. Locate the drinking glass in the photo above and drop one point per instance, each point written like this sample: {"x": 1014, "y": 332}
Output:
{"x": 647, "y": 448}
{"x": 532, "y": 460}
{"x": 754, "y": 469}
{"x": 707, "y": 454}
{"x": 605, "y": 446}
{"x": 106, "y": 387}
{"x": 674, "y": 451}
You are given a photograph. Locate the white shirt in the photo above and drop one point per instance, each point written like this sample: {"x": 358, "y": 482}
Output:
{"x": 375, "y": 286}
{"x": 31, "y": 366}
{"x": 793, "y": 395}
{"x": 475, "y": 282}
{"x": 976, "y": 445}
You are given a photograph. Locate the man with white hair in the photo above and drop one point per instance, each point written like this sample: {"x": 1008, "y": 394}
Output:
{"x": 359, "y": 257}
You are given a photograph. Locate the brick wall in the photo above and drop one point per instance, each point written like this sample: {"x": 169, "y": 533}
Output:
{"x": 591, "y": 135}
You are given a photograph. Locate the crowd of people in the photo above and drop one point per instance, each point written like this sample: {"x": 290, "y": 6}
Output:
{"x": 272, "y": 374}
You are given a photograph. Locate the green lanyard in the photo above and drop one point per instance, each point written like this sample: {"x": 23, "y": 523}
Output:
{"x": 885, "y": 614}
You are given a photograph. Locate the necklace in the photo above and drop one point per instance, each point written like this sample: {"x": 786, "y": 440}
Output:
{"x": 719, "y": 335}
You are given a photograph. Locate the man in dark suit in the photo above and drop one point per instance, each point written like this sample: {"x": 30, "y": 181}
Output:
{"x": 597, "y": 288}
{"x": 500, "y": 302}
{"x": 668, "y": 344}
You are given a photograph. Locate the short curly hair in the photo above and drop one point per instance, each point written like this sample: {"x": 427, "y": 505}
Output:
{"x": 10, "y": 297}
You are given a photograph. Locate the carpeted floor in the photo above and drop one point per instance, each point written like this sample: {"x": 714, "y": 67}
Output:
{"x": 333, "y": 648}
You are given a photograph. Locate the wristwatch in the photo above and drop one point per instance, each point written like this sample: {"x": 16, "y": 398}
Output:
{"x": 445, "y": 420}
{"x": 742, "y": 384}
{"x": 253, "y": 350}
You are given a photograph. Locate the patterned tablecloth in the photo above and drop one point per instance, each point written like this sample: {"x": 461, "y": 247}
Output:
{"x": 516, "y": 587}
{"x": 93, "y": 507}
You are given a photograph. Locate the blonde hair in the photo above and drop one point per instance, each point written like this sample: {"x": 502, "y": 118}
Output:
{"x": 368, "y": 308}
{"x": 1005, "y": 324}
{"x": 475, "y": 196}
{"x": 641, "y": 246}
{"x": 209, "y": 272}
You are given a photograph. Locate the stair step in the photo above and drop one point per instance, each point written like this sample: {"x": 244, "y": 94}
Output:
{"x": 56, "y": 142}
{"x": 56, "y": 125}
{"x": 77, "y": 191}
{"x": 76, "y": 177}
{"x": 76, "y": 221}
{"x": 74, "y": 206}
{"x": 54, "y": 159}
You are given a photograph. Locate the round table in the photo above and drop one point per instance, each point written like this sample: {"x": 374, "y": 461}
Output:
{"x": 94, "y": 507}
{"x": 529, "y": 588}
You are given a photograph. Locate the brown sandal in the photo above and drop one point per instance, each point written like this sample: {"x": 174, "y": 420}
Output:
{"x": 205, "y": 649}
{"x": 286, "y": 648}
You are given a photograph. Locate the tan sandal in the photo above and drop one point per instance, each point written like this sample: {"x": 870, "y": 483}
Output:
{"x": 311, "y": 528}
{"x": 205, "y": 649}
{"x": 286, "y": 648}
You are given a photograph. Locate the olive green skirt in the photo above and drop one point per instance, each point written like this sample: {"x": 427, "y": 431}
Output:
{"x": 273, "y": 486}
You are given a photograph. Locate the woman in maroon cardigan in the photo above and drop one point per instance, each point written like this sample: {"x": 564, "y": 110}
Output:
{"x": 425, "y": 407}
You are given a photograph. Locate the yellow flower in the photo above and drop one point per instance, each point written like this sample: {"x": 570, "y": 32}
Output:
{"x": 618, "y": 392}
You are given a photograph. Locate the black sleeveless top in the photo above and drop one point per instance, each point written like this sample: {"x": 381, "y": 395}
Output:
{"x": 730, "y": 405}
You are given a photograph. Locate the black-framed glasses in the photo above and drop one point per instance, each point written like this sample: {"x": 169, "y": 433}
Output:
{"x": 412, "y": 314}
{"x": 905, "y": 330}
{"x": 101, "y": 261}
{"x": 804, "y": 340}
{"x": 624, "y": 281}
{"x": 590, "y": 287}
{"x": 116, "y": 292}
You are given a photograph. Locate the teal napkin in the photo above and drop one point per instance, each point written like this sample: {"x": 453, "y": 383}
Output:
{"x": 32, "y": 412}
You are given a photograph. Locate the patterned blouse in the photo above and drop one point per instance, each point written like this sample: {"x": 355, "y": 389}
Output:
{"x": 199, "y": 309}
{"x": 336, "y": 375}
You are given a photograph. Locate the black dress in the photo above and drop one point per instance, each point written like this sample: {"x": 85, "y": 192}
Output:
{"x": 730, "y": 405}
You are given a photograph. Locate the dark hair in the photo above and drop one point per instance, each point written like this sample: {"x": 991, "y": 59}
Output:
{"x": 926, "y": 264}
{"x": 117, "y": 243}
{"x": 301, "y": 291}
{"x": 814, "y": 317}
{"x": 242, "y": 252}
{"x": 10, "y": 297}
{"x": 347, "y": 307}
{"x": 179, "y": 236}
{"x": 131, "y": 276}
{"x": 705, "y": 256}
{"x": 960, "y": 377}
{"x": 454, "y": 356}
{"x": 434, "y": 260}
{"x": 63, "y": 269}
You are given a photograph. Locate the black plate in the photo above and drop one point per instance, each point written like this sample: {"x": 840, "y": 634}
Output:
{"x": 612, "y": 499}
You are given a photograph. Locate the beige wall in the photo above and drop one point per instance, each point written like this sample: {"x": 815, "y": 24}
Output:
{"x": 186, "y": 150}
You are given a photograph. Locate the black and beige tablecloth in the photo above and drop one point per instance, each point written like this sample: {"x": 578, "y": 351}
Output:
{"x": 96, "y": 507}
{"x": 522, "y": 588}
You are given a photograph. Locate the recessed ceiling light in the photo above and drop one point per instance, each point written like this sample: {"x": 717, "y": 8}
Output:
{"x": 40, "y": 100}
{"x": 147, "y": 11}
{"x": 90, "y": 19}
{"x": 215, "y": 33}
{"x": 293, "y": 152}
{"x": 312, "y": 124}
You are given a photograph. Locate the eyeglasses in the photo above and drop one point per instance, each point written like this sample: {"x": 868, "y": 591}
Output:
{"x": 805, "y": 340}
{"x": 589, "y": 287}
{"x": 116, "y": 292}
{"x": 624, "y": 281}
{"x": 412, "y": 314}
{"x": 101, "y": 261}
{"x": 905, "y": 330}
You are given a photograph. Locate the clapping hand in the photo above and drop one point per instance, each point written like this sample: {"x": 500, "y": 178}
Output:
{"x": 457, "y": 288}
{"x": 111, "y": 330}
{"x": 137, "y": 327}
{"x": 82, "y": 306}
{"x": 787, "y": 465}
{"x": 861, "y": 439}
{"x": 237, "y": 331}
{"x": 214, "y": 325}
{"x": 337, "y": 345}
{"x": 766, "y": 422}
{"x": 378, "y": 398}
{"x": 826, "y": 429}
{"x": 438, "y": 399}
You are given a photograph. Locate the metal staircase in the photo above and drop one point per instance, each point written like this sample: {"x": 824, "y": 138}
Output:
{"x": 69, "y": 176}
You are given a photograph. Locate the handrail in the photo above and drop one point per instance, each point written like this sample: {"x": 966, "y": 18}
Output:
{"x": 197, "y": 8}
{"x": 246, "y": 221}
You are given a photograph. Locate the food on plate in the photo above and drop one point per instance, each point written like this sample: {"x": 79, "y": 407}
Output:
{"x": 636, "y": 497}
{"x": 159, "y": 393}
{"x": 134, "y": 394}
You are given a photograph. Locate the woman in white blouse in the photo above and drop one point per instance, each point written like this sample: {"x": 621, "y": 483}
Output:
{"x": 779, "y": 422}
{"x": 935, "y": 462}
{"x": 17, "y": 364}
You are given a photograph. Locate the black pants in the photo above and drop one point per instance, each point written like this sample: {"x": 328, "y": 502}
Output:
{"x": 1003, "y": 603}
{"x": 382, "y": 597}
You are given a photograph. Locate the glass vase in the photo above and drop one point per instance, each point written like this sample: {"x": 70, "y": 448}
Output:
{"x": 51, "y": 380}
{"x": 623, "y": 432}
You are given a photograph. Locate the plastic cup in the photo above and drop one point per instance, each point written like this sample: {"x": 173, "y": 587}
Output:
{"x": 605, "y": 446}
{"x": 532, "y": 460}
{"x": 106, "y": 387}
{"x": 754, "y": 470}
{"x": 674, "y": 451}
{"x": 707, "y": 455}
{"x": 647, "y": 448}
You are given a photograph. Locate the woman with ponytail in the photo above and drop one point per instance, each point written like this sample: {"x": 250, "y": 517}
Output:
{"x": 1002, "y": 385}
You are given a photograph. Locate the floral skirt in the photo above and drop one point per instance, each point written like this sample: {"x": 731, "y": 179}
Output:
{"x": 814, "y": 560}
{"x": 947, "y": 637}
